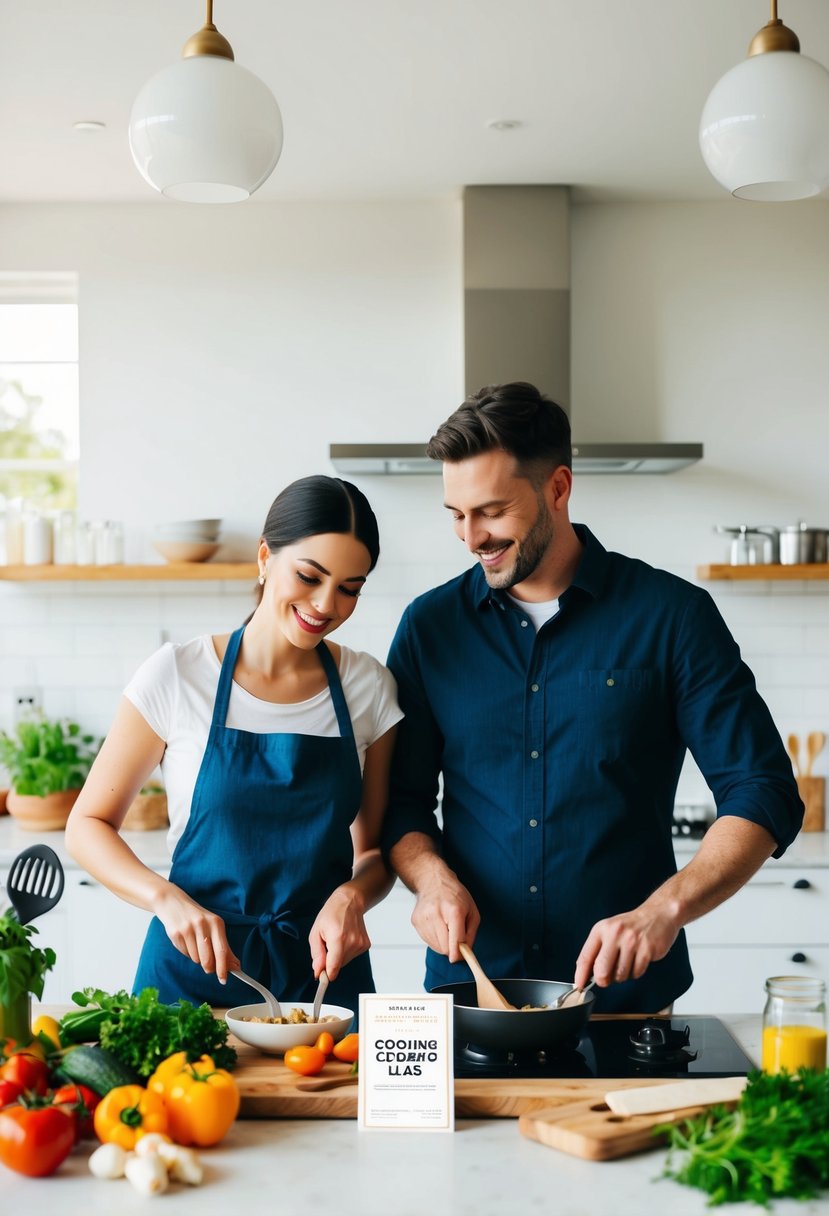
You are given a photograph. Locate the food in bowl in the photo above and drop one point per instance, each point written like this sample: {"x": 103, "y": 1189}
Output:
{"x": 253, "y": 1025}
{"x": 294, "y": 1018}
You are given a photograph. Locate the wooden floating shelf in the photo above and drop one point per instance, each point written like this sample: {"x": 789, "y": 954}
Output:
{"x": 776, "y": 572}
{"x": 168, "y": 572}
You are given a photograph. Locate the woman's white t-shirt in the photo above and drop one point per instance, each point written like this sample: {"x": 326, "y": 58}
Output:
{"x": 174, "y": 690}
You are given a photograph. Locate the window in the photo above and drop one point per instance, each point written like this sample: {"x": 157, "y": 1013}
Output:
{"x": 39, "y": 415}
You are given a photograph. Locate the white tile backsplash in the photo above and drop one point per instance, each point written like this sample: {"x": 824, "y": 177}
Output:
{"x": 80, "y": 642}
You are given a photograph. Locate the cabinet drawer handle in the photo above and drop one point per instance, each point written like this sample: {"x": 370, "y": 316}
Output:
{"x": 84, "y": 882}
{"x": 799, "y": 957}
{"x": 802, "y": 884}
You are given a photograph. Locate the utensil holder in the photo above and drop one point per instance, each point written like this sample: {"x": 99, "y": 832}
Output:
{"x": 813, "y": 792}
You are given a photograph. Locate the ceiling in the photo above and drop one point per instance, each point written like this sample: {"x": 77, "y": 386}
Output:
{"x": 387, "y": 99}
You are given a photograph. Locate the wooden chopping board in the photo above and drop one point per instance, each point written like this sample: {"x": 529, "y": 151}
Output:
{"x": 590, "y": 1129}
{"x": 270, "y": 1090}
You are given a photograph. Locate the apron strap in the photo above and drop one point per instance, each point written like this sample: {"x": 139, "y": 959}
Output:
{"x": 220, "y": 705}
{"x": 336, "y": 689}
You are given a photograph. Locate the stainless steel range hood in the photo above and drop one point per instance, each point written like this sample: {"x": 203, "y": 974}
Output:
{"x": 517, "y": 327}
{"x": 360, "y": 459}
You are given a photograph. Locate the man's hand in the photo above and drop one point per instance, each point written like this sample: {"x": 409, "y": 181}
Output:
{"x": 623, "y": 947}
{"x": 445, "y": 914}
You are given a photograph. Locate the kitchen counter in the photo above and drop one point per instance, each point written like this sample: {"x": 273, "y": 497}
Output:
{"x": 809, "y": 848}
{"x": 312, "y": 1166}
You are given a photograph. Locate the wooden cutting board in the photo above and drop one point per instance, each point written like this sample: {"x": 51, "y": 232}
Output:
{"x": 270, "y": 1090}
{"x": 590, "y": 1129}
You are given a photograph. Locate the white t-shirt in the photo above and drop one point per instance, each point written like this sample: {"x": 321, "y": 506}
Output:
{"x": 539, "y": 613}
{"x": 174, "y": 690}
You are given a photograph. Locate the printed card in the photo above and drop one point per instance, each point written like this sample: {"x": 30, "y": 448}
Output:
{"x": 406, "y": 1068}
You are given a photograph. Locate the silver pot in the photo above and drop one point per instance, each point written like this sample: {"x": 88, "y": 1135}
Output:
{"x": 801, "y": 545}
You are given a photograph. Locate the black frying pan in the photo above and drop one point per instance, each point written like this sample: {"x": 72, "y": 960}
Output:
{"x": 519, "y": 1030}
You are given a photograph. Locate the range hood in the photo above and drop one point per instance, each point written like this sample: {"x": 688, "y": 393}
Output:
{"x": 517, "y": 327}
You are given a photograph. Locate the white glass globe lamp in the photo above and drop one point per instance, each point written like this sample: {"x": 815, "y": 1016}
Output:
{"x": 205, "y": 130}
{"x": 764, "y": 131}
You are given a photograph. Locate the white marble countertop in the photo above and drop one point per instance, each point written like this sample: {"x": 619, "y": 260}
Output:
{"x": 309, "y": 1167}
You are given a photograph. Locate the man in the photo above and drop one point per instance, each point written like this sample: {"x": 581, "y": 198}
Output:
{"x": 555, "y": 687}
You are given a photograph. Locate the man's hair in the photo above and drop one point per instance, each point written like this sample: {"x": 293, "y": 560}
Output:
{"x": 515, "y": 418}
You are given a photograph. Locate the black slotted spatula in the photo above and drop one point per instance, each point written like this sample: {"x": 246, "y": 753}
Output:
{"x": 35, "y": 882}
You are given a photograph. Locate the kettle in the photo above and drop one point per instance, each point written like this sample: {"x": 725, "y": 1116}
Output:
{"x": 752, "y": 546}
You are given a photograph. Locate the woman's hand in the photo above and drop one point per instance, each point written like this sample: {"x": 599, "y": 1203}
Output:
{"x": 199, "y": 935}
{"x": 339, "y": 933}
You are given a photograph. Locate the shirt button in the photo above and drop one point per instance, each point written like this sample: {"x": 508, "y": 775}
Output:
{"x": 533, "y": 823}
{"x": 524, "y": 624}
{"x": 536, "y": 946}
{"x": 533, "y": 889}
{"x": 534, "y": 687}
{"x": 610, "y": 683}
{"x": 534, "y": 755}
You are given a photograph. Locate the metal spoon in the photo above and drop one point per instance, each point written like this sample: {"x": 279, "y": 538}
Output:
{"x": 323, "y": 984}
{"x": 574, "y": 996}
{"x": 273, "y": 1004}
{"x": 488, "y": 995}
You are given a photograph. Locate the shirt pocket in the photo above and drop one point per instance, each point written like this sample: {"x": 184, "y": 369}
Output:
{"x": 616, "y": 711}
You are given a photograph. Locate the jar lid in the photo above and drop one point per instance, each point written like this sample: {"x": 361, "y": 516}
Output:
{"x": 796, "y": 987}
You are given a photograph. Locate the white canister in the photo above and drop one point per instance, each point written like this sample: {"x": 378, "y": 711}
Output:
{"x": 37, "y": 540}
{"x": 84, "y": 544}
{"x": 14, "y": 535}
{"x": 64, "y": 548}
{"x": 109, "y": 543}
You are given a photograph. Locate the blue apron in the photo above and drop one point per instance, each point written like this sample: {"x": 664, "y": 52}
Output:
{"x": 266, "y": 843}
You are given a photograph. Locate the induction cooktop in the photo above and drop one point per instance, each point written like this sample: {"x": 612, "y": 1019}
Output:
{"x": 692, "y": 1046}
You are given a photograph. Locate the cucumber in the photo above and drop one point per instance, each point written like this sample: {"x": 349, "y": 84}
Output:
{"x": 98, "y": 1068}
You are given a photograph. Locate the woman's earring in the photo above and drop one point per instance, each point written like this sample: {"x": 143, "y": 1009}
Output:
{"x": 261, "y": 580}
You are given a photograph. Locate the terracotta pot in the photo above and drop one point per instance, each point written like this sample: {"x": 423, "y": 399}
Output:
{"x": 147, "y": 813}
{"x": 47, "y": 814}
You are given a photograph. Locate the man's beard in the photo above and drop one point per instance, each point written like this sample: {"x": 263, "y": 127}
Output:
{"x": 530, "y": 552}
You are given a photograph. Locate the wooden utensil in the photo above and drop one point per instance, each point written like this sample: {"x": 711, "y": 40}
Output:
{"x": 815, "y": 741}
{"x": 488, "y": 995}
{"x": 35, "y": 882}
{"x": 793, "y": 745}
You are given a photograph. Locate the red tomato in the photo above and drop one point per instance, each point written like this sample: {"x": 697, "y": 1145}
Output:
{"x": 34, "y": 1140}
{"x": 81, "y": 1101}
{"x": 10, "y": 1091}
{"x": 27, "y": 1070}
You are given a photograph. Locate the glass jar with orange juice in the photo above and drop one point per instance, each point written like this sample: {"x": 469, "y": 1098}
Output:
{"x": 794, "y": 1024}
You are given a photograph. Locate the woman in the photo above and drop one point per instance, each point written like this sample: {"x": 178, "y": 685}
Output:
{"x": 261, "y": 736}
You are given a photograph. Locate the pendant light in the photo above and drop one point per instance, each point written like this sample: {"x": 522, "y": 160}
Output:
{"x": 764, "y": 132}
{"x": 206, "y": 130}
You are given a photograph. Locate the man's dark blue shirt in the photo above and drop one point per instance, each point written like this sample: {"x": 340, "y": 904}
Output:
{"x": 561, "y": 751}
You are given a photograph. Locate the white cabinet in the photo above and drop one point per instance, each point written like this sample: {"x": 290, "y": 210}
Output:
{"x": 398, "y": 954}
{"x": 96, "y": 936}
{"x": 777, "y": 924}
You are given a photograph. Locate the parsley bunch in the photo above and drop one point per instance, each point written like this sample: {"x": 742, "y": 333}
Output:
{"x": 23, "y": 965}
{"x": 142, "y": 1032}
{"x": 775, "y": 1142}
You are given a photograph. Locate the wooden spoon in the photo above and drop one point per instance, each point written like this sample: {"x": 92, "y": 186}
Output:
{"x": 815, "y": 741}
{"x": 488, "y": 995}
{"x": 311, "y": 1083}
{"x": 793, "y": 744}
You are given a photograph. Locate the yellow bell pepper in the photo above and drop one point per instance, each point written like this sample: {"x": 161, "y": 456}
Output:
{"x": 202, "y": 1101}
{"x": 127, "y": 1113}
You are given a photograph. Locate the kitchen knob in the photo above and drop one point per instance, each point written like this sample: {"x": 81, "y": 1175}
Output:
{"x": 802, "y": 884}
{"x": 799, "y": 957}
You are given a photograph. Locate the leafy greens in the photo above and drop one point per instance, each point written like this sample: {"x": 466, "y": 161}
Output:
{"x": 141, "y": 1031}
{"x": 775, "y": 1142}
{"x": 23, "y": 965}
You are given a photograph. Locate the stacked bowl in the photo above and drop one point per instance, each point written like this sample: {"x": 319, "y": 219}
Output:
{"x": 187, "y": 540}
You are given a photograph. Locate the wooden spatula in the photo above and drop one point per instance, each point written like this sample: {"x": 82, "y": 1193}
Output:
{"x": 488, "y": 995}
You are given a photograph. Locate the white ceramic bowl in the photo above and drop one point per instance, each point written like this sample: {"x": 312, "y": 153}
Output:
{"x": 189, "y": 529}
{"x": 276, "y": 1039}
{"x": 185, "y": 550}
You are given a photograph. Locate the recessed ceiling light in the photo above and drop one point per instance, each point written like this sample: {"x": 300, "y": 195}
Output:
{"x": 504, "y": 124}
{"x": 89, "y": 124}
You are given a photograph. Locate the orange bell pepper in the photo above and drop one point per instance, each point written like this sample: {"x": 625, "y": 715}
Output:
{"x": 202, "y": 1101}
{"x": 307, "y": 1061}
{"x": 127, "y": 1113}
{"x": 348, "y": 1049}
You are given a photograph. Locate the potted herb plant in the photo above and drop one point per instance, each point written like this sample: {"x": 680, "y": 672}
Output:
{"x": 23, "y": 967}
{"x": 48, "y": 762}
